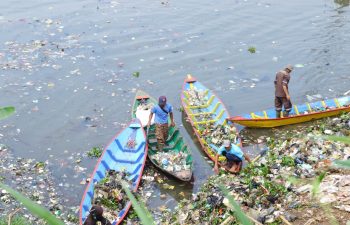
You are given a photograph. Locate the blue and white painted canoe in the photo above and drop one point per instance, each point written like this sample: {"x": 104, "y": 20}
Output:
{"x": 116, "y": 156}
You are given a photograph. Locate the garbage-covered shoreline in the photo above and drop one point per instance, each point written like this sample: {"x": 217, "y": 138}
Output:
{"x": 276, "y": 187}
{"x": 35, "y": 181}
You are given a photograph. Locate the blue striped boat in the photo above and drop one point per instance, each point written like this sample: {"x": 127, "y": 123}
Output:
{"x": 214, "y": 108}
{"x": 116, "y": 156}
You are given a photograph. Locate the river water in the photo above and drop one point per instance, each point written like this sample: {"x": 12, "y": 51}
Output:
{"x": 67, "y": 67}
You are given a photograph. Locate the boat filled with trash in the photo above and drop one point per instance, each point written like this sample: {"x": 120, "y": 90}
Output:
{"x": 207, "y": 115}
{"x": 176, "y": 158}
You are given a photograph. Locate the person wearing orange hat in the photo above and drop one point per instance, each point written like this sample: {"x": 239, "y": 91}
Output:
{"x": 282, "y": 97}
{"x": 162, "y": 111}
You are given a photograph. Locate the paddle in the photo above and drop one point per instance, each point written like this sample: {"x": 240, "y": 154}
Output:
{"x": 262, "y": 153}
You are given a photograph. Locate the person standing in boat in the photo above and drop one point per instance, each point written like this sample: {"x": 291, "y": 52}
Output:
{"x": 161, "y": 112}
{"x": 234, "y": 157}
{"x": 282, "y": 97}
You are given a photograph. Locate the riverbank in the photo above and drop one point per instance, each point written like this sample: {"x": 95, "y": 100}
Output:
{"x": 277, "y": 187}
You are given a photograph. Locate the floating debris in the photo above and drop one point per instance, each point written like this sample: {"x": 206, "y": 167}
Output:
{"x": 298, "y": 65}
{"x": 252, "y": 50}
{"x": 34, "y": 180}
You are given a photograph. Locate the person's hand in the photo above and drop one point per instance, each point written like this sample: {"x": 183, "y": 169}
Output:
{"x": 288, "y": 97}
{"x": 216, "y": 169}
{"x": 172, "y": 124}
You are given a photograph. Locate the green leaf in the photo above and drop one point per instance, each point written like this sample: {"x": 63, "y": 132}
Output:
{"x": 317, "y": 182}
{"x": 95, "y": 152}
{"x": 243, "y": 219}
{"x": 6, "y": 112}
{"x": 139, "y": 207}
{"x": 136, "y": 74}
{"x": 345, "y": 140}
{"x": 252, "y": 50}
{"x": 33, "y": 207}
{"x": 342, "y": 163}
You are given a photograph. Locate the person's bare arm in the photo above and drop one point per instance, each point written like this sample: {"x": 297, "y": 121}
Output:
{"x": 172, "y": 119}
{"x": 246, "y": 158}
{"x": 149, "y": 119}
{"x": 286, "y": 91}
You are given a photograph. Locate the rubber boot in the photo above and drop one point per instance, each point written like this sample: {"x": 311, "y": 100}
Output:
{"x": 278, "y": 114}
{"x": 285, "y": 114}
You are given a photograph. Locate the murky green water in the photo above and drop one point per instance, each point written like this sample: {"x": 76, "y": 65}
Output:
{"x": 63, "y": 61}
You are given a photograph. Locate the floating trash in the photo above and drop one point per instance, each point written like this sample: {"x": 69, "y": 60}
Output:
{"x": 298, "y": 65}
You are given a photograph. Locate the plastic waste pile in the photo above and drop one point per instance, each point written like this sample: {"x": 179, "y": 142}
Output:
{"x": 109, "y": 194}
{"x": 196, "y": 97}
{"x": 172, "y": 161}
{"x": 216, "y": 134}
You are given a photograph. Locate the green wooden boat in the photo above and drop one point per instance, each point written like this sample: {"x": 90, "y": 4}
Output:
{"x": 176, "y": 158}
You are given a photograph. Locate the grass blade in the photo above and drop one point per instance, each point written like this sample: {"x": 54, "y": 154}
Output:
{"x": 34, "y": 208}
{"x": 139, "y": 207}
{"x": 342, "y": 164}
{"x": 345, "y": 140}
{"x": 6, "y": 112}
{"x": 243, "y": 219}
{"x": 317, "y": 182}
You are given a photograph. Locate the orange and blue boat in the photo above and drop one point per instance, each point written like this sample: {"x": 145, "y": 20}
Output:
{"x": 299, "y": 114}
{"x": 210, "y": 111}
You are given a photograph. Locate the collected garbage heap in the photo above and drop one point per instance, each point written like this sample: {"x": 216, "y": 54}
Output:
{"x": 269, "y": 190}
{"x": 196, "y": 97}
{"x": 109, "y": 194}
{"x": 173, "y": 162}
{"x": 216, "y": 134}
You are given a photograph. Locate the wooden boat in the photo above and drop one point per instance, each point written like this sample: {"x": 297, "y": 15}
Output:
{"x": 214, "y": 112}
{"x": 119, "y": 157}
{"x": 175, "y": 142}
{"x": 299, "y": 114}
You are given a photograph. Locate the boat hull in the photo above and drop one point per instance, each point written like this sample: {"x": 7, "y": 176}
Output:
{"x": 266, "y": 119}
{"x": 118, "y": 158}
